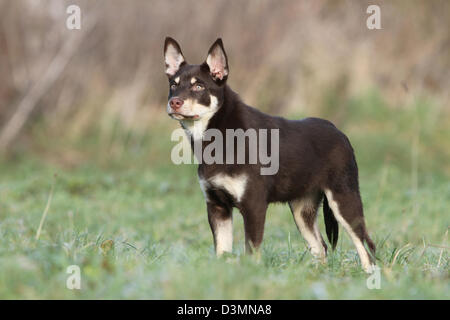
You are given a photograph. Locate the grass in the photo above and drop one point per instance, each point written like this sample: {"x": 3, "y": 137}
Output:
{"x": 137, "y": 227}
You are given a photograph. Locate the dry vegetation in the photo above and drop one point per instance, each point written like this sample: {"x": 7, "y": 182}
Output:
{"x": 285, "y": 56}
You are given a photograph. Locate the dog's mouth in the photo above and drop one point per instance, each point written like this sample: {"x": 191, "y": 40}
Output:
{"x": 179, "y": 116}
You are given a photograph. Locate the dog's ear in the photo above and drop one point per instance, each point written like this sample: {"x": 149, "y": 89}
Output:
{"x": 217, "y": 62}
{"x": 173, "y": 57}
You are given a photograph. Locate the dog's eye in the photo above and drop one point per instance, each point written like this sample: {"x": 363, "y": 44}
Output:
{"x": 198, "y": 87}
{"x": 173, "y": 86}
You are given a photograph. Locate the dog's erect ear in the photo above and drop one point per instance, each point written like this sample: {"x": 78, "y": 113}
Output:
{"x": 217, "y": 61}
{"x": 173, "y": 57}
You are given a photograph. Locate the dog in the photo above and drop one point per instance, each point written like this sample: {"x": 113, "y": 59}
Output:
{"x": 316, "y": 162}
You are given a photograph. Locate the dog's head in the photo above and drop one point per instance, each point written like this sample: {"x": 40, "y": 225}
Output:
{"x": 196, "y": 91}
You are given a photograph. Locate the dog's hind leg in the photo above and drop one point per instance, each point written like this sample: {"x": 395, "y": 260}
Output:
{"x": 221, "y": 222}
{"x": 304, "y": 211}
{"x": 347, "y": 208}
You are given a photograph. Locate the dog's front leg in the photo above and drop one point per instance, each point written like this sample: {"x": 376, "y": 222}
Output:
{"x": 221, "y": 221}
{"x": 254, "y": 218}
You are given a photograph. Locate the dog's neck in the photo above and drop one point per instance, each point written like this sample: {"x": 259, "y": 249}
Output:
{"x": 195, "y": 129}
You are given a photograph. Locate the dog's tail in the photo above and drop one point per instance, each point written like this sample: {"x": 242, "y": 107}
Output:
{"x": 331, "y": 224}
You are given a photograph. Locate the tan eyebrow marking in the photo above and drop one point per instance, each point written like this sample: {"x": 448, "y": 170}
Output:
{"x": 177, "y": 80}
{"x": 193, "y": 80}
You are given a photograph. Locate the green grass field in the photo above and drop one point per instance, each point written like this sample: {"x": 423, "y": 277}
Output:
{"x": 136, "y": 224}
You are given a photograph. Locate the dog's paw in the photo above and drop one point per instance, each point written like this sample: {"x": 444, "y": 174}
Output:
{"x": 229, "y": 257}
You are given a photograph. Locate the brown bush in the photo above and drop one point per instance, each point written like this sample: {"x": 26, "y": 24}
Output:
{"x": 284, "y": 56}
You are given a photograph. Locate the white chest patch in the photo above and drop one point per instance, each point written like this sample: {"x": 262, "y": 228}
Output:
{"x": 234, "y": 185}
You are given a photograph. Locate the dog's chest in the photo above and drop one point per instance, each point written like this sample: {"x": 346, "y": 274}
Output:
{"x": 233, "y": 185}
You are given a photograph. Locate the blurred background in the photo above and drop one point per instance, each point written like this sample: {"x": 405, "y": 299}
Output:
{"x": 59, "y": 87}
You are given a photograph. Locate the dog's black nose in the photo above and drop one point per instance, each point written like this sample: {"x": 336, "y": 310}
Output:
{"x": 176, "y": 103}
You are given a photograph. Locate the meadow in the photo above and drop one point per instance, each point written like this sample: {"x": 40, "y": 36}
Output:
{"x": 136, "y": 224}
